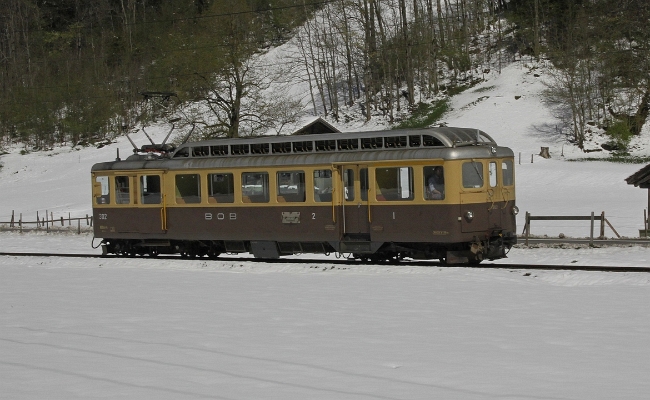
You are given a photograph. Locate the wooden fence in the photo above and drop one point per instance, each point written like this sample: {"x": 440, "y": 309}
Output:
{"x": 592, "y": 218}
{"x": 47, "y": 222}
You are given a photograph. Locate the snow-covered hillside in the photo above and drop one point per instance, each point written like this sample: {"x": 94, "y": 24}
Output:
{"x": 508, "y": 106}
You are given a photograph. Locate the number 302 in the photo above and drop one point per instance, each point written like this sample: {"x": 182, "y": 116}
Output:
{"x": 103, "y": 216}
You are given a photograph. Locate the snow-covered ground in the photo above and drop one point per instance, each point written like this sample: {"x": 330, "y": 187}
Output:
{"x": 234, "y": 329}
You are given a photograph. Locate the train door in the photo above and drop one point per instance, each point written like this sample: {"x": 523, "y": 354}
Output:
{"x": 494, "y": 195}
{"x": 356, "y": 224}
{"x": 150, "y": 199}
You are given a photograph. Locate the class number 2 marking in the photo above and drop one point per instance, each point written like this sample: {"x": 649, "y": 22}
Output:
{"x": 313, "y": 215}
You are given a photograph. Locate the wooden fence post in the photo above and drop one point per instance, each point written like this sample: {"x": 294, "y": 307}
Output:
{"x": 602, "y": 225}
{"x": 591, "y": 235}
{"x": 527, "y": 226}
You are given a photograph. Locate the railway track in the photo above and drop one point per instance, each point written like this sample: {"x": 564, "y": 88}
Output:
{"x": 345, "y": 261}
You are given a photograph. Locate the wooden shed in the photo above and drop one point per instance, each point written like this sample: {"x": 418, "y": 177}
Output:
{"x": 641, "y": 179}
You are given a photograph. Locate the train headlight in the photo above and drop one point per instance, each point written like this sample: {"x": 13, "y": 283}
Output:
{"x": 493, "y": 150}
{"x": 469, "y": 215}
{"x": 515, "y": 210}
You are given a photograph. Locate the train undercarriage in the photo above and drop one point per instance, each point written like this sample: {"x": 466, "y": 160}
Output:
{"x": 448, "y": 253}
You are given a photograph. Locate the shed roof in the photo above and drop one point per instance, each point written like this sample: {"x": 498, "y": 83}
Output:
{"x": 640, "y": 178}
{"x": 319, "y": 125}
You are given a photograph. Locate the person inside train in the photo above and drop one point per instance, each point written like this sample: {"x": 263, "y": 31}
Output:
{"x": 436, "y": 185}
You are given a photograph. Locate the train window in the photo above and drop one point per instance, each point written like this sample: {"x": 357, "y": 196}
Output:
{"x": 396, "y": 141}
{"x": 103, "y": 195}
{"x": 259, "y": 148}
{"x": 184, "y": 152}
{"x": 282, "y": 147}
{"x": 508, "y": 173}
{"x": 492, "y": 169}
{"x": 255, "y": 187}
{"x": 150, "y": 189}
{"x": 219, "y": 150}
{"x": 429, "y": 140}
{"x": 372, "y": 143}
{"x": 473, "y": 174}
{"x": 325, "y": 145}
{"x": 240, "y": 149}
{"x": 348, "y": 182}
{"x": 200, "y": 151}
{"x": 301, "y": 147}
{"x": 122, "y": 190}
{"x": 323, "y": 185}
{"x": 434, "y": 183}
{"x": 188, "y": 189}
{"x": 348, "y": 144}
{"x": 291, "y": 186}
{"x": 363, "y": 177}
{"x": 394, "y": 184}
{"x": 221, "y": 188}
{"x": 415, "y": 140}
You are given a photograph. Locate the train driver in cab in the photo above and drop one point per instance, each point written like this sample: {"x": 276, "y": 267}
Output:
{"x": 436, "y": 185}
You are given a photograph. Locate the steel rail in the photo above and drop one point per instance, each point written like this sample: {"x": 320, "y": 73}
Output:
{"x": 346, "y": 261}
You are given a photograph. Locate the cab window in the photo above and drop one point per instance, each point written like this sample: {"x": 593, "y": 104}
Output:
{"x": 221, "y": 188}
{"x": 104, "y": 193}
{"x": 122, "y": 190}
{"x": 150, "y": 189}
{"x": 291, "y": 186}
{"x": 188, "y": 188}
{"x": 508, "y": 173}
{"x": 473, "y": 174}
{"x": 492, "y": 170}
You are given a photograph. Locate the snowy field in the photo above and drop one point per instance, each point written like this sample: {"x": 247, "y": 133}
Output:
{"x": 234, "y": 329}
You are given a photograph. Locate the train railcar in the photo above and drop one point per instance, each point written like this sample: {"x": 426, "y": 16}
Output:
{"x": 434, "y": 193}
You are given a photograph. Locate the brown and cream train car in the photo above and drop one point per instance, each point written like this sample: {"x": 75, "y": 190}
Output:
{"x": 434, "y": 193}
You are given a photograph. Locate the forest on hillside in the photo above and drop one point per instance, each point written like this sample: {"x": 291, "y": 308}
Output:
{"x": 77, "y": 72}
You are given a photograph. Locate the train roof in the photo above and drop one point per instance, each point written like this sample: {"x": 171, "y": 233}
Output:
{"x": 425, "y": 143}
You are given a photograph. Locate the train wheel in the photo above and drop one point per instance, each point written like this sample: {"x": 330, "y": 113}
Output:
{"x": 361, "y": 257}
